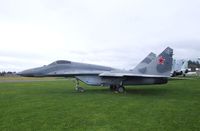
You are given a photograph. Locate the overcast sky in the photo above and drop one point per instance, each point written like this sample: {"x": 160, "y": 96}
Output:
{"x": 117, "y": 33}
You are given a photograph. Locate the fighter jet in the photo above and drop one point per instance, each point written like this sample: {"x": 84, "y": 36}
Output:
{"x": 152, "y": 70}
{"x": 179, "y": 67}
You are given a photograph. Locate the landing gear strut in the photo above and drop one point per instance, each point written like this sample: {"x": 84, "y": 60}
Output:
{"x": 78, "y": 88}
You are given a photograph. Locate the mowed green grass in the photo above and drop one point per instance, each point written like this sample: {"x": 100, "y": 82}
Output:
{"x": 54, "y": 105}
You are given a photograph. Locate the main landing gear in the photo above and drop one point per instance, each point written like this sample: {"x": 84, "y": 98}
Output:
{"x": 117, "y": 88}
{"x": 78, "y": 88}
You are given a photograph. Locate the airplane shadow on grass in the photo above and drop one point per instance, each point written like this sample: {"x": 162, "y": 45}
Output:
{"x": 148, "y": 91}
{"x": 131, "y": 90}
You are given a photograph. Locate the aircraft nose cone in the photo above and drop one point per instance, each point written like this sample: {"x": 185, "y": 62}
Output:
{"x": 34, "y": 72}
{"x": 26, "y": 73}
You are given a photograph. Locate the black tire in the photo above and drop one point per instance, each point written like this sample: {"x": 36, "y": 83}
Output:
{"x": 120, "y": 89}
{"x": 80, "y": 89}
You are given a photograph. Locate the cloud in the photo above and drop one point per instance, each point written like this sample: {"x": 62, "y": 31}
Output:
{"x": 114, "y": 33}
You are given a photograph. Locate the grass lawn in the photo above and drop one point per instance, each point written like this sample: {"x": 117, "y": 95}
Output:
{"x": 54, "y": 105}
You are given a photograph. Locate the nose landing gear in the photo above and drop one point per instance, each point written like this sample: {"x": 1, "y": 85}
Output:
{"x": 78, "y": 88}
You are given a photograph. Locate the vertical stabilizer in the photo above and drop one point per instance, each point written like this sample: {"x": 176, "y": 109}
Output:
{"x": 147, "y": 60}
{"x": 161, "y": 65}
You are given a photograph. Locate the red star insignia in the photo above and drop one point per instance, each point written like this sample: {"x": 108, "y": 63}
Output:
{"x": 161, "y": 60}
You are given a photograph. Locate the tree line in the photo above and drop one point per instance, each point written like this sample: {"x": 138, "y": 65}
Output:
{"x": 193, "y": 65}
{"x": 4, "y": 73}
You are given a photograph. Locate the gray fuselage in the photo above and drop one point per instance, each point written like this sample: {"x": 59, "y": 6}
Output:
{"x": 88, "y": 73}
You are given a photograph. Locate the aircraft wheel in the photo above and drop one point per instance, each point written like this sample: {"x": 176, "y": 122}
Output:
{"x": 80, "y": 89}
{"x": 120, "y": 89}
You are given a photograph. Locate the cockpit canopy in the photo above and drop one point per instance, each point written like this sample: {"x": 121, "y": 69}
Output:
{"x": 60, "y": 62}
